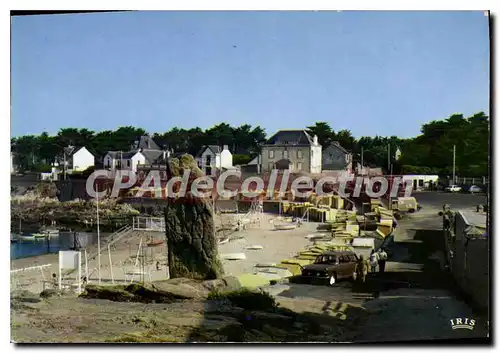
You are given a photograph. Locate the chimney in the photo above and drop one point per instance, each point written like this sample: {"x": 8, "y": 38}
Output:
{"x": 226, "y": 147}
{"x": 149, "y": 144}
{"x": 315, "y": 140}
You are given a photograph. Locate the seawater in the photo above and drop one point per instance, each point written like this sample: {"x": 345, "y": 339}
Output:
{"x": 51, "y": 244}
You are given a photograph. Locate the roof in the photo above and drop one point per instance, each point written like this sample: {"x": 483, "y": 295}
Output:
{"x": 290, "y": 137}
{"x": 69, "y": 151}
{"x": 146, "y": 143}
{"x": 474, "y": 218}
{"x": 122, "y": 155}
{"x": 337, "y": 145}
{"x": 254, "y": 161}
{"x": 152, "y": 155}
{"x": 214, "y": 148}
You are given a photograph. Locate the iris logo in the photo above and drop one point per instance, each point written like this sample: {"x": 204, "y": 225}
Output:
{"x": 462, "y": 323}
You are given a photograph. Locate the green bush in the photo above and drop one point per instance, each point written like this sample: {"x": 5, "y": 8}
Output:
{"x": 241, "y": 159}
{"x": 246, "y": 299}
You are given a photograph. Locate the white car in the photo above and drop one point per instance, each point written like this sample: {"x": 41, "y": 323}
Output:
{"x": 475, "y": 188}
{"x": 453, "y": 188}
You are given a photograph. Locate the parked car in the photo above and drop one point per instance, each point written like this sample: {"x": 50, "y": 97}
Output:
{"x": 332, "y": 266}
{"x": 475, "y": 188}
{"x": 453, "y": 188}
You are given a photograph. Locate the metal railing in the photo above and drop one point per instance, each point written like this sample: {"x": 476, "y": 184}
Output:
{"x": 152, "y": 224}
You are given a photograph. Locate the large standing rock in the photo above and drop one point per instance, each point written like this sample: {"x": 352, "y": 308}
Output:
{"x": 189, "y": 226}
{"x": 192, "y": 247}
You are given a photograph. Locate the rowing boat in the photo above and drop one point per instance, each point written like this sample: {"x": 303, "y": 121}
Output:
{"x": 40, "y": 236}
{"x": 155, "y": 243}
{"x": 284, "y": 226}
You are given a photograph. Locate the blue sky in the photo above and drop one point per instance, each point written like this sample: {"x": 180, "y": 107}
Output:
{"x": 382, "y": 73}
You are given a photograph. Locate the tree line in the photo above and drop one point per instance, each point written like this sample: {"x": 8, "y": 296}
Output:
{"x": 431, "y": 152}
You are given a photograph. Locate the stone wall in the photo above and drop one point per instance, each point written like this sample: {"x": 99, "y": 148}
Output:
{"x": 468, "y": 257}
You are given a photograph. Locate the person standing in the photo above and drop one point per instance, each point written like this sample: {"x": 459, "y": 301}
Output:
{"x": 382, "y": 259}
{"x": 373, "y": 261}
{"x": 361, "y": 269}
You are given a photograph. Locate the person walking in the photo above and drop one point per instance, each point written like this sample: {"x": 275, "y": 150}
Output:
{"x": 373, "y": 261}
{"x": 382, "y": 259}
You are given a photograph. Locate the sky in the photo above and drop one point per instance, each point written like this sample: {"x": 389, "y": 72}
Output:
{"x": 374, "y": 73}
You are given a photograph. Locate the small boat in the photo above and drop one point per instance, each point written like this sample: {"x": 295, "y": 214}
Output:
{"x": 40, "y": 235}
{"x": 235, "y": 256}
{"x": 223, "y": 241}
{"x": 153, "y": 243}
{"x": 255, "y": 247}
{"x": 285, "y": 226}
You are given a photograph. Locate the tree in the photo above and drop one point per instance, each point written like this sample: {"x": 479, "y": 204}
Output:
{"x": 431, "y": 151}
{"x": 323, "y": 131}
{"x": 345, "y": 139}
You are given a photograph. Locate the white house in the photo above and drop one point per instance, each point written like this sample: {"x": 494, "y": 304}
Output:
{"x": 144, "y": 152}
{"x": 12, "y": 165}
{"x": 124, "y": 160}
{"x": 421, "y": 181}
{"x": 212, "y": 159}
{"x": 77, "y": 159}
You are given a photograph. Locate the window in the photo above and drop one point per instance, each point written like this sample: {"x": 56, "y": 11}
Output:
{"x": 285, "y": 154}
{"x": 271, "y": 154}
{"x": 208, "y": 160}
{"x": 420, "y": 182}
{"x": 299, "y": 154}
{"x": 299, "y": 166}
{"x": 344, "y": 259}
{"x": 353, "y": 258}
{"x": 128, "y": 162}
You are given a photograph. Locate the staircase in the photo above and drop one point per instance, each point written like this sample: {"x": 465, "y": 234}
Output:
{"x": 113, "y": 238}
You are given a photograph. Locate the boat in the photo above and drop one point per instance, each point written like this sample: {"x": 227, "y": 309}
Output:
{"x": 234, "y": 256}
{"x": 255, "y": 247}
{"x": 285, "y": 226}
{"x": 223, "y": 241}
{"x": 153, "y": 243}
{"x": 40, "y": 235}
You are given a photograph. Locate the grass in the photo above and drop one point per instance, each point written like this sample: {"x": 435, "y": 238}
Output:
{"x": 143, "y": 338}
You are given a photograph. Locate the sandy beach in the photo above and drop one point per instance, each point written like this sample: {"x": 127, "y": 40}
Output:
{"x": 276, "y": 246}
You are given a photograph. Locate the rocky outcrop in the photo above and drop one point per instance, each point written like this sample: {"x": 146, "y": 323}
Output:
{"x": 192, "y": 247}
{"x": 189, "y": 226}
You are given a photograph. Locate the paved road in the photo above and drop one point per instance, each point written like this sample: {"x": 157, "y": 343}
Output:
{"x": 415, "y": 299}
{"x": 437, "y": 199}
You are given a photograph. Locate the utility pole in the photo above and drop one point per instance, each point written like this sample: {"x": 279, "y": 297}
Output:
{"x": 454, "y": 151}
{"x": 362, "y": 167}
{"x": 98, "y": 239}
{"x": 388, "y": 157}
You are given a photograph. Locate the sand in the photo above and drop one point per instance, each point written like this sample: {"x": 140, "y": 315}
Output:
{"x": 276, "y": 246}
